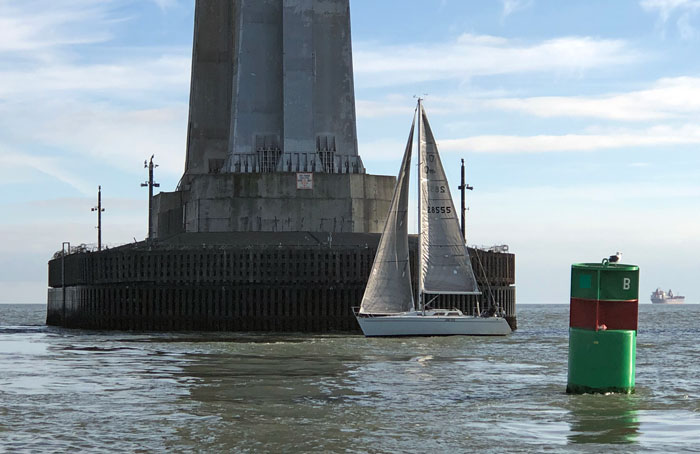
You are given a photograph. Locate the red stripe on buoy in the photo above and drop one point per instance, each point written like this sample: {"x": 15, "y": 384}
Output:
{"x": 594, "y": 314}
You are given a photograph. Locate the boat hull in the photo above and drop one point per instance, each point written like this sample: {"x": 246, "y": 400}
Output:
{"x": 419, "y": 325}
{"x": 673, "y": 300}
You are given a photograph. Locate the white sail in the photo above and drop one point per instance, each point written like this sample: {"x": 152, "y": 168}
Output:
{"x": 389, "y": 286}
{"x": 445, "y": 265}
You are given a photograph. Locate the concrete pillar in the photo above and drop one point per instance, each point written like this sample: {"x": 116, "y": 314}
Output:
{"x": 270, "y": 74}
{"x": 257, "y": 105}
{"x": 211, "y": 86}
{"x": 299, "y": 76}
{"x": 334, "y": 90}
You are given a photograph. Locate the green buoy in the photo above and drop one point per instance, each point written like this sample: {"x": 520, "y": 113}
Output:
{"x": 603, "y": 321}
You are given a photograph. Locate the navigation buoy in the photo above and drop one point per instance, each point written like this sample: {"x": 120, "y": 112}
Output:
{"x": 603, "y": 322}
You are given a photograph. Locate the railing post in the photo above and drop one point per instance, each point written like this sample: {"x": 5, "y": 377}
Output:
{"x": 63, "y": 277}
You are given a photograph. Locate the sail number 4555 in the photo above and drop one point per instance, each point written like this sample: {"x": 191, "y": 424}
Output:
{"x": 440, "y": 210}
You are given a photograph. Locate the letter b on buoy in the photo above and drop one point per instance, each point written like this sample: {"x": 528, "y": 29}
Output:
{"x": 626, "y": 283}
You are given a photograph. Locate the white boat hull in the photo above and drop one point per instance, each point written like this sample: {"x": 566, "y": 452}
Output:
{"x": 432, "y": 325}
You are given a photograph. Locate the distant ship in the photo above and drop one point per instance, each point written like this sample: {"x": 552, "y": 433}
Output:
{"x": 661, "y": 297}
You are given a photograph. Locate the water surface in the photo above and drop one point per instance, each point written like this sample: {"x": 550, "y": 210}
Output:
{"x": 78, "y": 391}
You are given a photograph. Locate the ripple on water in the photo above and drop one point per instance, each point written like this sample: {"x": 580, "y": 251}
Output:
{"x": 73, "y": 391}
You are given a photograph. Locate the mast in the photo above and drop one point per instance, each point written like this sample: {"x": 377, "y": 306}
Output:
{"x": 421, "y": 303}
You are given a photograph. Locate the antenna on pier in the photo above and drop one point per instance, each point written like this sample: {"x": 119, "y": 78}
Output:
{"x": 150, "y": 184}
{"x": 464, "y": 187}
{"x": 99, "y": 210}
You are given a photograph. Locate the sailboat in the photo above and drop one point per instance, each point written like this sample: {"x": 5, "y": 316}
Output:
{"x": 388, "y": 307}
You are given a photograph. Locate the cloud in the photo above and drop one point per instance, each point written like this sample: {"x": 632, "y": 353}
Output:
{"x": 44, "y": 58}
{"x": 668, "y": 8}
{"x": 12, "y": 162}
{"x": 512, "y": 6}
{"x": 667, "y": 111}
{"x": 164, "y": 4}
{"x": 404, "y": 105}
{"x": 667, "y": 98}
{"x": 36, "y": 25}
{"x": 117, "y": 138}
{"x": 119, "y": 79}
{"x": 675, "y": 98}
{"x": 652, "y": 137}
{"x": 59, "y": 106}
{"x": 685, "y": 28}
{"x": 470, "y": 55}
{"x": 665, "y": 8}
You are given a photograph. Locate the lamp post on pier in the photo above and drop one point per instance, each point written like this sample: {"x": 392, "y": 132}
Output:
{"x": 150, "y": 184}
{"x": 99, "y": 210}
{"x": 464, "y": 187}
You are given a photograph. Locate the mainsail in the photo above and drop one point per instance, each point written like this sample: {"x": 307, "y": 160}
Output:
{"x": 389, "y": 287}
{"x": 445, "y": 265}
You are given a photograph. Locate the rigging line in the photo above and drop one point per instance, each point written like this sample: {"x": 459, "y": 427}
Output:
{"x": 431, "y": 301}
{"x": 486, "y": 279}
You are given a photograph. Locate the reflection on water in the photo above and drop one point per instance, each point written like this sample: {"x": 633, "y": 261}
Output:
{"x": 74, "y": 391}
{"x": 604, "y": 419}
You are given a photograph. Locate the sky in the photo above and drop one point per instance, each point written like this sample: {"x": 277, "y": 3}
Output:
{"x": 578, "y": 120}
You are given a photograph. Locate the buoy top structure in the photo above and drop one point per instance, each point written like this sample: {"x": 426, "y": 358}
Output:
{"x": 603, "y": 327}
